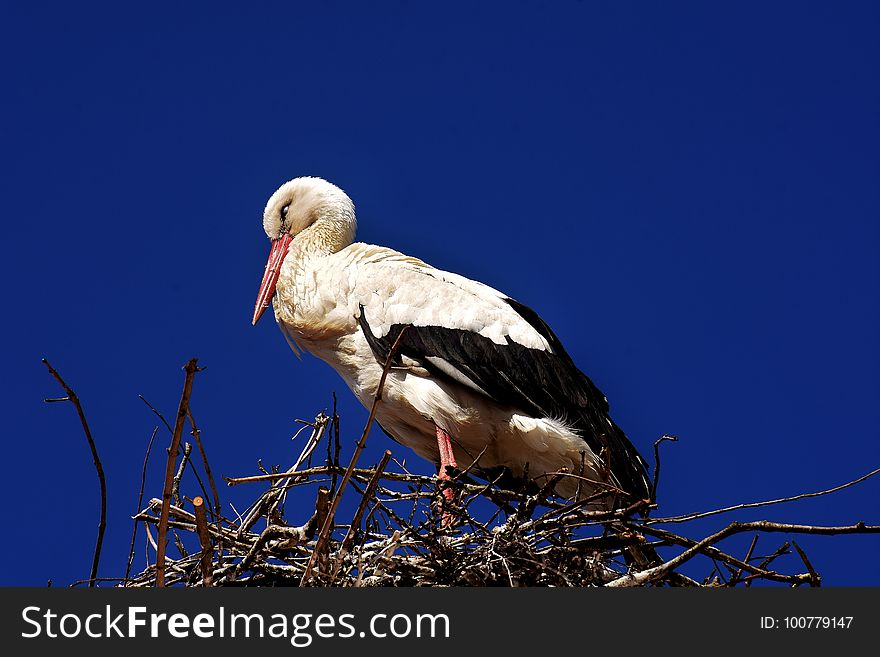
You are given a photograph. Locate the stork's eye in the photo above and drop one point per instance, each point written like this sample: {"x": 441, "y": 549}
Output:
{"x": 284, "y": 212}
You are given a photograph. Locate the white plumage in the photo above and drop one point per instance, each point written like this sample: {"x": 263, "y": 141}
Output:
{"x": 474, "y": 363}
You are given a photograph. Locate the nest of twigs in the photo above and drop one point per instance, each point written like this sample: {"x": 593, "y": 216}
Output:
{"x": 394, "y": 527}
{"x": 396, "y": 535}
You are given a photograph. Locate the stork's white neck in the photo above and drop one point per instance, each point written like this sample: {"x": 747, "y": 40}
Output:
{"x": 301, "y": 306}
{"x": 330, "y": 233}
{"x": 333, "y": 230}
{"x": 320, "y": 239}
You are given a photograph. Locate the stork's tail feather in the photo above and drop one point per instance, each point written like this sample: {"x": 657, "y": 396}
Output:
{"x": 628, "y": 469}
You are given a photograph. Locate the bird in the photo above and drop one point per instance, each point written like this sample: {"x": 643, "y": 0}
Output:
{"x": 476, "y": 381}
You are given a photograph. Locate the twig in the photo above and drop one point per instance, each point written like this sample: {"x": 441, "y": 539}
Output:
{"x": 139, "y": 502}
{"x": 748, "y": 557}
{"x": 656, "y": 478}
{"x": 751, "y": 505}
{"x": 191, "y": 370}
{"x": 187, "y": 461}
{"x": 205, "y": 496}
{"x": 181, "y": 548}
{"x": 269, "y": 500}
{"x": 714, "y": 553}
{"x": 463, "y": 473}
{"x": 780, "y": 551}
{"x": 580, "y": 473}
{"x": 659, "y": 572}
{"x": 363, "y": 473}
{"x": 204, "y": 539}
{"x": 190, "y": 520}
{"x": 102, "y": 523}
{"x": 815, "y": 580}
{"x": 91, "y": 581}
{"x": 333, "y": 461}
{"x": 356, "y": 520}
{"x": 175, "y": 483}
{"x": 157, "y": 413}
{"x": 291, "y": 536}
{"x": 150, "y": 538}
{"x": 598, "y": 484}
{"x": 218, "y": 513}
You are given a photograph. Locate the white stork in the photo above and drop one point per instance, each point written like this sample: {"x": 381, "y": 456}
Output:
{"x": 476, "y": 373}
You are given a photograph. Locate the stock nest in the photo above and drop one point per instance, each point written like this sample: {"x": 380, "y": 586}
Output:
{"x": 393, "y": 529}
{"x": 395, "y": 536}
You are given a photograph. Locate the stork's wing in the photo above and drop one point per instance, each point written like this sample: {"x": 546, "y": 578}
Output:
{"x": 480, "y": 338}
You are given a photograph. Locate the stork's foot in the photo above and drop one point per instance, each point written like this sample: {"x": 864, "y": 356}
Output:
{"x": 447, "y": 459}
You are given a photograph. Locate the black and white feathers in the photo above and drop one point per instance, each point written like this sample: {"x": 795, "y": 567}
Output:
{"x": 541, "y": 383}
{"x": 472, "y": 361}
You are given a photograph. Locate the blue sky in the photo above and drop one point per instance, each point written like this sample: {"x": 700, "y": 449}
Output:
{"x": 687, "y": 193}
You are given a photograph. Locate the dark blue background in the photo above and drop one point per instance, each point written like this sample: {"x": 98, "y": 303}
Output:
{"x": 687, "y": 193}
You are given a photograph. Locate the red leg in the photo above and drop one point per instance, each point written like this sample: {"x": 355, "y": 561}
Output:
{"x": 447, "y": 458}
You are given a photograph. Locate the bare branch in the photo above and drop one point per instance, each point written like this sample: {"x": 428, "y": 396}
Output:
{"x": 655, "y": 481}
{"x": 661, "y": 571}
{"x": 204, "y": 539}
{"x": 175, "y": 484}
{"x": 99, "y": 469}
{"x": 191, "y": 370}
{"x": 356, "y": 521}
{"x": 196, "y": 433}
{"x": 752, "y": 505}
{"x": 140, "y": 502}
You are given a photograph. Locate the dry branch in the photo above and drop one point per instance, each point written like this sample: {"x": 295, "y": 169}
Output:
{"x": 204, "y": 539}
{"x": 102, "y": 523}
{"x": 197, "y": 435}
{"x": 139, "y": 502}
{"x": 191, "y": 370}
{"x": 753, "y": 505}
{"x": 359, "y": 514}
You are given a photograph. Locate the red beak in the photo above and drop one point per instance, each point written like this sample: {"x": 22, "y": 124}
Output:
{"x": 270, "y": 277}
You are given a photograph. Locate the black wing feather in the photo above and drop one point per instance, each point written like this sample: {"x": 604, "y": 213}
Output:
{"x": 538, "y": 383}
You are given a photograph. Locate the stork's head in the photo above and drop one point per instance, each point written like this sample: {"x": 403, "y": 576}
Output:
{"x": 312, "y": 210}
